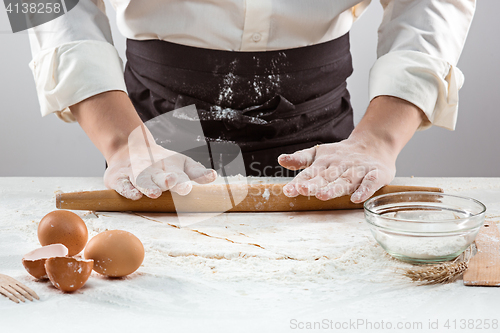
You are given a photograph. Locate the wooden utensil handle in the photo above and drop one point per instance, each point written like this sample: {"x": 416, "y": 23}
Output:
{"x": 216, "y": 198}
{"x": 488, "y": 240}
{"x": 484, "y": 267}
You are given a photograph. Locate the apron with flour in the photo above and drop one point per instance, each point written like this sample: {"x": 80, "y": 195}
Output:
{"x": 265, "y": 103}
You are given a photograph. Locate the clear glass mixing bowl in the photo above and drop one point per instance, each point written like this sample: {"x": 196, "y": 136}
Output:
{"x": 424, "y": 227}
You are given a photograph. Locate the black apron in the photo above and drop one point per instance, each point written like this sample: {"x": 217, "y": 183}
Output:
{"x": 265, "y": 103}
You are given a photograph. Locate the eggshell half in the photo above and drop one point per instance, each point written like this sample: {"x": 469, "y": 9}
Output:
{"x": 34, "y": 261}
{"x": 65, "y": 227}
{"x": 68, "y": 274}
{"x": 116, "y": 253}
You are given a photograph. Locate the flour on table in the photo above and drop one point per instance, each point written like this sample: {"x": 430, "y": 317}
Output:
{"x": 257, "y": 270}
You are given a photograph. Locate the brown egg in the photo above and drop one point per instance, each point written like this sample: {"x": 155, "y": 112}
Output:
{"x": 68, "y": 274}
{"x": 65, "y": 227}
{"x": 115, "y": 253}
{"x": 34, "y": 261}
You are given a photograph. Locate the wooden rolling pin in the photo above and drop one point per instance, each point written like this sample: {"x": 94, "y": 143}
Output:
{"x": 216, "y": 198}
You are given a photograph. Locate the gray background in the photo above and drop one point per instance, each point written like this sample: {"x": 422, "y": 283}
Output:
{"x": 36, "y": 146}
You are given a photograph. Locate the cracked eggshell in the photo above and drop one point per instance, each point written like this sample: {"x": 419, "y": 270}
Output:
{"x": 68, "y": 274}
{"x": 65, "y": 227}
{"x": 116, "y": 253}
{"x": 34, "y": 261}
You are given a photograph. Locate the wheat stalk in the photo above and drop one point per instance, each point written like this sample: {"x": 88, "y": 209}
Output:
{"x": 441, "y": 273}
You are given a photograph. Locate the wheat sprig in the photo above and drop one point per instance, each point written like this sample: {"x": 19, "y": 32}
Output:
{"x": 441, "y": 273}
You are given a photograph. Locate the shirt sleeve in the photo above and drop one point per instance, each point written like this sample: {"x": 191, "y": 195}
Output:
{"x": 74, "y": 59}
{"x": 420, "y": 42}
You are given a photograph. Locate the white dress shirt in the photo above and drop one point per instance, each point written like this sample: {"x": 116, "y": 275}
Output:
{"x": 419, "y": 44}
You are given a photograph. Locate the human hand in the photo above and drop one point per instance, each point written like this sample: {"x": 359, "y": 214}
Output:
{"x": 361, "y": 164}
{"x": 136, "y": 164}
{"x": 138, "y": 169}
{"x": 337, "y": 169}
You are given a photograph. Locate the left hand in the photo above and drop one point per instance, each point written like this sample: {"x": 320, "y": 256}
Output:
{"x": 337, "y": 169}
{"x": 361, "y": 164}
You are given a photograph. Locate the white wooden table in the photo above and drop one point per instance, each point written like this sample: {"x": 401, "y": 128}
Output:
{"x": 310, "y": 269}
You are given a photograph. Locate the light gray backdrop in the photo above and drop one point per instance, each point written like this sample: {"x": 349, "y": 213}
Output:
{"x": 36, "y": 146}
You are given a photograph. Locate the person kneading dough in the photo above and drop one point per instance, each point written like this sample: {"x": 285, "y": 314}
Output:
{"x": 267, "y": 76}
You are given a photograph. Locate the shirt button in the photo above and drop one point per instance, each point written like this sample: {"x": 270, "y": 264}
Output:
{"x": 256, "y": 37}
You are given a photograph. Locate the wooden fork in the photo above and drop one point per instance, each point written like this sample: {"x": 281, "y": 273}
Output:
{"x": 15, "y": 290}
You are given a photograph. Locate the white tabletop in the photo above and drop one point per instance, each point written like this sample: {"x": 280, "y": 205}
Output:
{"x": 309, "y": 268}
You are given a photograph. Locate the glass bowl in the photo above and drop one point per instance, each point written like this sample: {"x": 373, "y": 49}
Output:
{"x": 424, "y": 227}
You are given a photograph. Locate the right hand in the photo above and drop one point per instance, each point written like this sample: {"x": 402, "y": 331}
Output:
{"x": 136, "y": 165}
{"x": 171, "y": 171}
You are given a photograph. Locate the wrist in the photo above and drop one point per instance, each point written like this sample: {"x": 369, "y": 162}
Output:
{"x": 374, "y": 143}
{"x": 388, "y": 124}
{"x": 108, "y": 119}
{"x": 116, "y": 152}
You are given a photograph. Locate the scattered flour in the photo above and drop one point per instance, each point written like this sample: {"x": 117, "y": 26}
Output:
{"x": 264, "y": 266}
{"x": 266, "y": 194}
